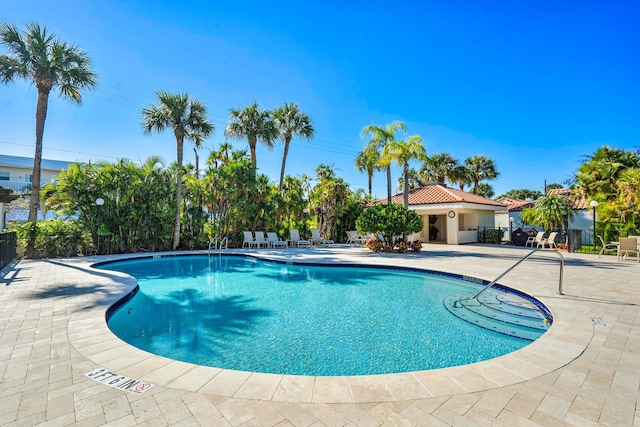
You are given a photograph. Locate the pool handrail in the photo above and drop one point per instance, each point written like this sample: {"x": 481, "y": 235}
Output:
{"x": 516, "y": 264}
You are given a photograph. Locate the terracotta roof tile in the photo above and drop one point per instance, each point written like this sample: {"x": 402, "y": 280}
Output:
{"x": 437, "y": 194}
{"x": 578, "y": 202}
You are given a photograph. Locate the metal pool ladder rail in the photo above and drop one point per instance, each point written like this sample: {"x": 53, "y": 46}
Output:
{"x": 516, "y": 264}
{"x": 214, "y": 242}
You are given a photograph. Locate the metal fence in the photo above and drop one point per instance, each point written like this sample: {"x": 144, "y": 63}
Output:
{"x": 576, "y": 240}
{"x": 8, "y": 242}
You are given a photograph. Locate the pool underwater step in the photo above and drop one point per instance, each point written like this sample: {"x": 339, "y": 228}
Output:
{"x": 500, "y": 313}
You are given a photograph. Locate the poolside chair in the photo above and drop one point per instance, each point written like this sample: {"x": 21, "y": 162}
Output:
{"x": 628, "y": 245}
{"x": 296, "y": 240}
{"x": 248, "y": 241}
{"x": 350, "y": 238}
{"x": 607, "y": 247}
{"x": 356, "y": 238}
{"x": 535, "y": 240}
{"x": 274, "y": 241}
{"x": 549, "y": 241}
{"x": 261, "y": 240}
{"x": 317, "y": 240}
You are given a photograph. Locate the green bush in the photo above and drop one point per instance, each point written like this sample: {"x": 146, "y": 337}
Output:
{"x": 390, "y": 220}
{"x": 57, "y": 238}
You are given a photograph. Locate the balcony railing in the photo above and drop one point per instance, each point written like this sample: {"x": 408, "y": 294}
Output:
{"x": 17, "y": 186}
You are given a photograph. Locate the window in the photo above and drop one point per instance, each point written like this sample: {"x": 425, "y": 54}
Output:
{"x": 4, "y": 176}
{"x": 28, "y": 177}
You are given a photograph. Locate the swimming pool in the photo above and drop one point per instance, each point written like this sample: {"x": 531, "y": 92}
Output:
{"x": 237, "y": 312}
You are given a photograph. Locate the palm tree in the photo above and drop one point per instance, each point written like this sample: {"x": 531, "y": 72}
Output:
{"x": 402, "y": 152}
{"x": 367, "y": 161}
{"x": 290, "y": 122}
{"x": 187, "y": 118}
{"x": 439, "y": 167}
{"x": 254, "y": 124}
{"x": 414, "y": 180}
{"x": 381, "y": 136}
{"x": 47, "y": 62}
{"x": 480, "y": 168}
{"x": 460, "y": 175}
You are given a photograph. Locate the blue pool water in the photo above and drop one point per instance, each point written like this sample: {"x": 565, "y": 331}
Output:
{"x": 241, "y": 313}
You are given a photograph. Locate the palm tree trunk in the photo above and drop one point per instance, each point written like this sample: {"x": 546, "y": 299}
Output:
{"x": 370, "y": 183}
{"x": 252, "y": 148}
{"x": 406, "y": 186}
{"x": 176, "y": 228}
{"x": 284, "y": 161}
{"x": 389, "y": 184}
{"x": 41, "y": 116}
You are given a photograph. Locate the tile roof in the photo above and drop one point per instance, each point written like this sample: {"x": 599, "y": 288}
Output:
{"x": 579, "y": 202}
{"x": 516, "y": 205}
{"x": 433, "y": 194}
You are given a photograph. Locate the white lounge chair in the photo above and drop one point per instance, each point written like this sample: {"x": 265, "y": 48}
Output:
{"x": 355, "y": 238}
{"x": 274, "y": 240}
{"x": 296, "y": 240}
{"x": 549, "y": 241}
{"x": 628, "y": 245}
{"x": 261, "y": 240}
{"x": 317, "y": 240}
{"x": 535, "y": 240}
{"x": 248, "y": 241}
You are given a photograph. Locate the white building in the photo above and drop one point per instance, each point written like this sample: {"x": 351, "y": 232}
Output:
{"x": 450, "y": 216}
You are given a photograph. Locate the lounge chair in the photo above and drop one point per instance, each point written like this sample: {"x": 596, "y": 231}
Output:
{"x": 548, "y": 241}
{"x": 350, "y": 239}
{"x": 607, "y": 247}
{"x": 356, "y": 238}
{"x": 261, "y": 240}
{"x": 317, "y": 240}
{"x": 274, "y": 241}
{"x": 535, "y": 240}
{"x": 628, "y": 245}
{"x": 248, "y": 241}
{"x": 296, "y": 240}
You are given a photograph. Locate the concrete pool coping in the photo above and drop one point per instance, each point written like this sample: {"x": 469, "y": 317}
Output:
{"x": 52, "y": 315}
{"x": 567, "y": 338}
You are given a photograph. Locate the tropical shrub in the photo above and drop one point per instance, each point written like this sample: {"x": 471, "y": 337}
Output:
{"x": 390, "y": 220}
{"x": 56, "y": 238}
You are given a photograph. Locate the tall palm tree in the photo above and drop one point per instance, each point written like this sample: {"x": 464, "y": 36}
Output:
{"x": 290, "y": 122}
{"x": 367, "y": 161}
{"x": 460, "y": 175}
{"x": 440, "y": 167}
{"x": 402, "y": 152}
{"x": 47, "y": 62}
{"x": 480, "y": 168}
{"x": 414, "y": 180}
{"x": 252, "y": 123}
{"x": 187, "y": 117}
{"x": 381, "y": 136}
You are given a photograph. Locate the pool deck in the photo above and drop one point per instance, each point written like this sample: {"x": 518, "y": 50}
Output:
{"x": 584, "y": 371}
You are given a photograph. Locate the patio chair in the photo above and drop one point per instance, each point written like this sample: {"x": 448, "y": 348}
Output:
{"x": 261, "y": 240}
{"x": 317, "y": 240}
{"x": 248, "y": 241}
{"x": 549, "y": 241}
{"x": 535, "y": 240}
{"x": 628, "y": 245}
{"x": 275, "y": 242}
{"x": 607, "y": 247}
{"x": 296, "y": 240}
{"x": 357, "y": 239}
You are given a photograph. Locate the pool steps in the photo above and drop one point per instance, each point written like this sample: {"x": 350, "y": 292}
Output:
{"x": 502, "y": 313}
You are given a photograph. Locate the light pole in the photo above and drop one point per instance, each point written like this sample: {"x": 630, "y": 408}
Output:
{"x": 99, "y": 203}
{"x": 511, "y": 220}
{"x": 593, "y": 204}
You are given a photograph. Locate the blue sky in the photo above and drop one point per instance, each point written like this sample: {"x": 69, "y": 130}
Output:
{"x": 534, "y": 85}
